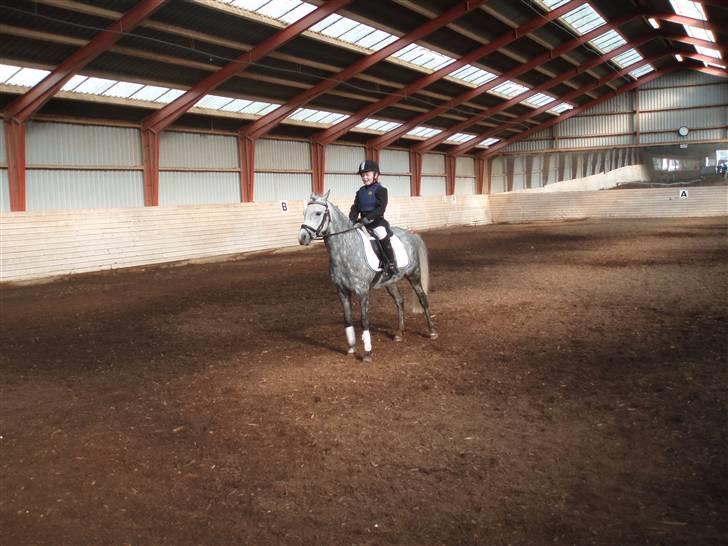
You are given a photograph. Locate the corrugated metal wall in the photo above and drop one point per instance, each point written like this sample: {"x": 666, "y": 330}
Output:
{"x": 278, "y": 155}
{"x": 4, "y": 191}
{"x": 60, "y": 189}
{"x": 433, "y": 164}
{"x": 342, "y": 185}
{"x": 433, "y": 185}
{"x": 282, "y": 187}
{"x": 198, "y": 151}
{"x": 465, "y": 176}
{"x": 344, "y": 159}
{"x": 397, "y": 186}
{"x": 81, "y": 145}
{"x": 698, "y": 101}
{"x": 198, "y": 188}
{"x": 394, "y": 162}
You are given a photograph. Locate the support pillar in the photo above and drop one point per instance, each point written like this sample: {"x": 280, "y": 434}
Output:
{"x": 480, "y": 175}
{"x": 15, "y": 151}
{"x": 373, "y": 154}
{"x": 318, "y": 167}
{"x": 450, "y": 164}
{"x": 416, "y": 173}
{"x": 150, "y": 154}
{"x": 246, "y": 147}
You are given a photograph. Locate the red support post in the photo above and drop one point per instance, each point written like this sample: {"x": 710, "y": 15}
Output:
{"x": 415, "y": 173}
{"x": 246, "y": 147}
{"x": 150, "y": 156}
{"x": 318, "y": 167}
{"x": 15, "y": 151}
{"x": 450, "y": 165}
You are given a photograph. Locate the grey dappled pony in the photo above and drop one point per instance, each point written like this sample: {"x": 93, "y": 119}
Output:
{"x": 352, "y": 276}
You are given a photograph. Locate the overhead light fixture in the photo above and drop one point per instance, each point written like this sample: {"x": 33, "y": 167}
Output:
{"x": 654, "y": 22}
{"x": 678, "y": 57}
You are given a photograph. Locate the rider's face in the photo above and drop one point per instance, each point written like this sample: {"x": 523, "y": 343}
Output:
{"x": 368, "y": 177}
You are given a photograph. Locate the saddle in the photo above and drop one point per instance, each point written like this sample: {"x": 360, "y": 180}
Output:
{"x": 375, "y": 255}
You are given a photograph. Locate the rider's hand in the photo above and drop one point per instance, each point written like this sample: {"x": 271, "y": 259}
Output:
{"x": 366, "y": 221}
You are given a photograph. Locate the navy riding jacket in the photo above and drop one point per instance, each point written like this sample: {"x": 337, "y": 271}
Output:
{"x": 370, "y": 202}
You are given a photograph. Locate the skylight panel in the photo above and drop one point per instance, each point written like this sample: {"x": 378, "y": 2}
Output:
{"x": 424, "y": 132}
{"x": 370, "y": 41}
{"x": 278, "y": 8}
{"x": 339, "y": 27}
{"x": 259, "y": 107}
{"x": 583, "y": 19}
{"x": 608, "y": 41}
{"x": 95, "y": 86}
{"x": 7, "y": 71}
{"x": 169, "y": 96}
{"x": 641, "y": 71}
{"x": 149, "y": 92}
{"x": 333, "y": 118}
{"x": 377, "y": 125}
{"x": 250, "y": 5}
{"x": 74, "y": 82}
{"x": 509, "y": 89}
{"x": 538, "y": 100}
{"x": 422, "y": 56}
{"x": 553, "y": 4}
{"x": 559, "y": 108}
{"x": 472, "y": 74}
{"x": 325, "y": 22}
{"x": 297, "y": 13}
{"x": 489, "y": 141}
{"x": 627, "y": 58}
{"x": 236, "y": 106}
{"x": 357, "y": 33}
{"x": 123, "y": 89}
{"x": 688, "y": 9}
{"x": 213, "y": 102}
{"x": 459, "y": 138}
{"x": 27, "y": 77}
{"x": 384, "y": 43}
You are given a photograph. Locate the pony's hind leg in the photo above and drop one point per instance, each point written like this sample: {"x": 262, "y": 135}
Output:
{"x": 393, "y": 290}
{"x": 424, "y": 302}
{"x": 345, "y": 297}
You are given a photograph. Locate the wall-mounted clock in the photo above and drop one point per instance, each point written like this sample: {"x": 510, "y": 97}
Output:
{"x": 683, "y": 131}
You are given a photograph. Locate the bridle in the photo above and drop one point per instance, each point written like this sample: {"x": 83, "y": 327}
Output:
{"x": 318, "y": 232}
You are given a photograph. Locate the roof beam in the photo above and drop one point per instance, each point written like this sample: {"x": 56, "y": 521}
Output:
{"x": 466, "y": 146}
{"x": 161, "y": 119}
{"x": 709, "y": 70}
{"x": 591, "y": 104}
{"x": 26, "y": 105}
{"x": 459, "y": 150}
{"x": 536, "y": 61}
{"x": 269, "y": 121}
{"x": 332, "y": 133}
{"x": 690, "y": 21}
{"x": 701, "y": 58}
{"x": 389, "y": 137}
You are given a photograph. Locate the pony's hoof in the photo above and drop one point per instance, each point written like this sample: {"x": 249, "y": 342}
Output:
{"x": 434, "y": 335}
{"x": 351, "y": 351}
{"x": 367, "y": 358}
{"x": 397, "y": 337}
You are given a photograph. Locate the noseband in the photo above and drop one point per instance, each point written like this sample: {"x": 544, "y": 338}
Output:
{"x": 316, "y": 232}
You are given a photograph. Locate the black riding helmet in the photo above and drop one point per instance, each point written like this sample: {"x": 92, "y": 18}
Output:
{"x": 368, "y": 165}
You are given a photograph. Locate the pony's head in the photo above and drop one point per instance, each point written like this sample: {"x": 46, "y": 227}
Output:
{"x": 316, "y": 219}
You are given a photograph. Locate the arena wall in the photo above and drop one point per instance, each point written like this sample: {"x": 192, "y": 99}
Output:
{"x": 38, "y": 245}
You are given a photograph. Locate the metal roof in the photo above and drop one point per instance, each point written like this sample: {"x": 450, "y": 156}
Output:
{"x": 491, "y": 62}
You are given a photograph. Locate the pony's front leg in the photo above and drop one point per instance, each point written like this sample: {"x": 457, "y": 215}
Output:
{"x": 366, "y": 337}
{"x": 345, "y": 297}
{"x": 393, "y": 290}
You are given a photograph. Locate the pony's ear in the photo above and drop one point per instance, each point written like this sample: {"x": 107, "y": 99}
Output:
{"x": 326, "y": 195}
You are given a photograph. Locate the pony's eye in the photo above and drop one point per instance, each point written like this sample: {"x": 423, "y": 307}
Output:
{"x": 318, "y": 214}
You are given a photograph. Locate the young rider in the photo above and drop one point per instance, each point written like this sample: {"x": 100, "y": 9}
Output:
{"x": 370, "y": 202}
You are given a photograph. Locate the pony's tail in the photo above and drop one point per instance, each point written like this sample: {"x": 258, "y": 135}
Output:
{"x": 424, "y": 274}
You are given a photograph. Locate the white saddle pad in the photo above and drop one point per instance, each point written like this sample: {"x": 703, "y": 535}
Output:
{"x": 400, "y": 253}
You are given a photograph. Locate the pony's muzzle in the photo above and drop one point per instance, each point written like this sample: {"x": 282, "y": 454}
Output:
{"x": 304, "y": 237}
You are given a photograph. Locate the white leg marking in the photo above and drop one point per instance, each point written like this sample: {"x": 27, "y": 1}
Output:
{"x": 350, "y": 336}
{"x": 366, "y": 338}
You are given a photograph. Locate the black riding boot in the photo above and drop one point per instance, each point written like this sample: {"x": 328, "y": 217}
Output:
{"x": 391, "y": 266}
